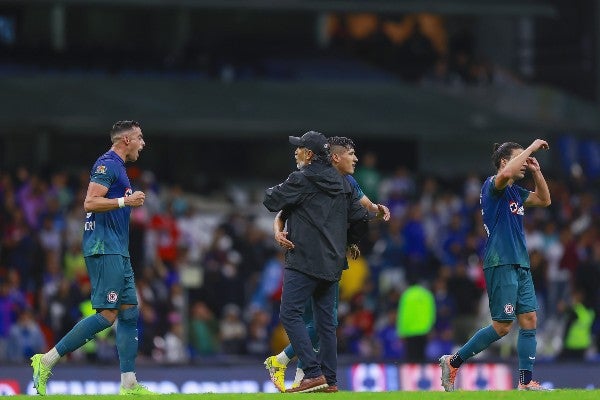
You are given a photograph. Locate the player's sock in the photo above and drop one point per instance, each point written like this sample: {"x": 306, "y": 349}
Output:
{"x": 128, "y": 380}
{"x": 284, "y": 357}
{"x": 127, "y": 340}
{"x": 526, "y": 349}
{"x": 478, "y": 342}
{"x": 456, "y": 361}
{"x": 51, "y": 358}
{"x": 82, "y": 332}
{"x": 525, "y": 376}
{"x": 299, "y": 376}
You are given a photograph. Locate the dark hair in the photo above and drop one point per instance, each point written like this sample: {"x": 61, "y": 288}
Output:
{"x": 503, "y": 152}
{"x": 324, "y": 157}
{"x": 341, "y": 141}
{"x": 122, "y": 126}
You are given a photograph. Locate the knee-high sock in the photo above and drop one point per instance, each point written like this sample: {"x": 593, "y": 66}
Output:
{"x": 526, "y": 348}
{"x": 127, "y": 340}
{"x": 480, "y": 341}
{"x": 82, "y": 332}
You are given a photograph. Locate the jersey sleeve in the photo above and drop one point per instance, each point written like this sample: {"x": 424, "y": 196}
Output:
{"x": 355, "y": 185}
{"x": 104, "y": 173}
{"x": 490, "y": 186}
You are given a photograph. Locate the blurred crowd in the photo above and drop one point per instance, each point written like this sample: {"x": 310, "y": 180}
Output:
{"x": 209, "y": 279}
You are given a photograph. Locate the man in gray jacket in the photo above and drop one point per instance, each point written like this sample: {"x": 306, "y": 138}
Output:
{"x": 322, "y": 210}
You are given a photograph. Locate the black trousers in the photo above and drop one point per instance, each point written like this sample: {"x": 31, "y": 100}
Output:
{"x": 297, "y": 289}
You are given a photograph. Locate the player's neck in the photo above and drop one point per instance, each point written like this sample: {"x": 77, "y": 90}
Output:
{"x": 119, "y": 152}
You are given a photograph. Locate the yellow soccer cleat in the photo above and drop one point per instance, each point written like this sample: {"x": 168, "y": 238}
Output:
{"x": 41, "y": 373}
{"x": 137, "y": 390}
{"x": 276, "y": 372}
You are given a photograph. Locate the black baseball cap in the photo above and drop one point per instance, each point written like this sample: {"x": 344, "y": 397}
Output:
{"x": 314, "y": 141}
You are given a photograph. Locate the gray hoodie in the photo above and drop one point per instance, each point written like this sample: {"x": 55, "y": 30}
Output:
{"x": 320, "y": 206}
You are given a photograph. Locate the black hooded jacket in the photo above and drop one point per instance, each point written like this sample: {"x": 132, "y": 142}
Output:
{"x": 321, "y": 208}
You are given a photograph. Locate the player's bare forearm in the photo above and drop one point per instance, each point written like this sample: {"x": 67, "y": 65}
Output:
{"x": 97, "y": 203}
{"x": 513, "y": 166}
{"x": 542, "y": 192}
{"x": 382, "y": 212}
{"x": 100, "y": 204}
{"x": 278, "y": 223}
{"x": 279, "y": 232}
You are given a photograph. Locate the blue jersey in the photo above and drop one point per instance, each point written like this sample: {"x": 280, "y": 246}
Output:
{"x": 108, "y": 232}
{"x": 355, "y": 185}
{"x": 360, "y": 195}
{"x": 503, "y": 213}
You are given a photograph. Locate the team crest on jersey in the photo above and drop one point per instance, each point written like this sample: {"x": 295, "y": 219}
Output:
{"x": 112, "y": 296}
{"x": 128, "y": 192}
{"x": 515, "y": 208}
{"x": 101, "y": 169}
{"x": 509, "y": 309}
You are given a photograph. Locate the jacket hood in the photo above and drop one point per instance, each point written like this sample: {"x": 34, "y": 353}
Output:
{"x": 324, "y": 177}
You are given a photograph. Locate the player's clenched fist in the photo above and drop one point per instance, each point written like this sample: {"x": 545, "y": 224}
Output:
{"x": 539, "y": 144}
{"x": 136, "y": 199}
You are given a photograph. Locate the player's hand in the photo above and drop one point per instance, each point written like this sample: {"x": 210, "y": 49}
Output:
{"x": 136, "y": 199}
{"x": 283, "y": 241}
{"x": 539, "y": 144}
{"x": 353, "y": 251}
{"x": 533, "y": 165}
{"x": 383, "y": 212}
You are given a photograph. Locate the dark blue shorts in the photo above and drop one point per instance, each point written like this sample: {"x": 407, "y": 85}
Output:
{"x": 510, "y": 291}
{"x": 112, "y": 281}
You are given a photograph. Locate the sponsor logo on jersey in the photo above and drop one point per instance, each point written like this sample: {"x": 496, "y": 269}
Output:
{"x": 515, "y": 208}
{"x": 101, "y": 169}
{"x": 128, "y": 192}
{"x": 112, "y": 296}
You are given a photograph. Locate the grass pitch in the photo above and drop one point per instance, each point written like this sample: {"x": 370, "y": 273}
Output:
{"x": 563, "y": 394}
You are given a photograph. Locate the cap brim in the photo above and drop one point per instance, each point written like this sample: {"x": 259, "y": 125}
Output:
{"x": 296, "y": 141}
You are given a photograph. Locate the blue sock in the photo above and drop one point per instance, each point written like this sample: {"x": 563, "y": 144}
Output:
{"x": 127, "y": 343}
{"x": 289, "y": 351}
{"x": 525, "y": 376}
{"x": 478, "y": 342}
{"x": 82, "y": 332}
{"x": 526, "y": 349}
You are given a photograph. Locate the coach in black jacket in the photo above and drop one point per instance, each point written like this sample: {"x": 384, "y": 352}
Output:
{"x": 320, "y": 206}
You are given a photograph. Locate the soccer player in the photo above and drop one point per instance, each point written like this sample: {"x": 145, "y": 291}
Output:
{"x": 108, "y": 205}
{"x": 506, "y": 262}
{"x": 343, "y": 158}
{"x": 323, "y": 214}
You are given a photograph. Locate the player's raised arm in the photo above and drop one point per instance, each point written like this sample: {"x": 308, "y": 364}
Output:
{"x": 509, "y": 169}
{"x": 541, "y": 196}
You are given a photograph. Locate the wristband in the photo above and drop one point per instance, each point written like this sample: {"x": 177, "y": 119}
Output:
{"x": 121, "y": 201}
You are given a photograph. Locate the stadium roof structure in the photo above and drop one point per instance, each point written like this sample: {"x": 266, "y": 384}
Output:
{"x": 463, "y": 7}
{"x": 193, "y": 107}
